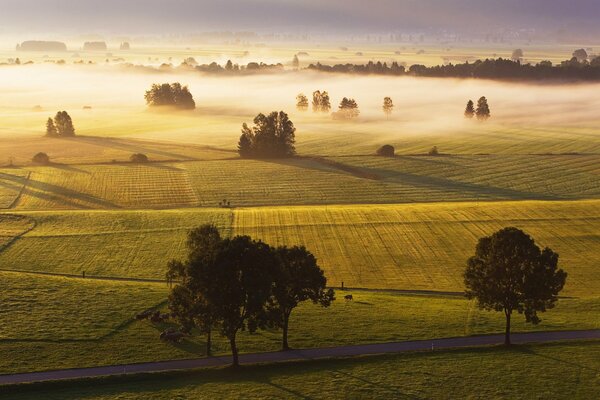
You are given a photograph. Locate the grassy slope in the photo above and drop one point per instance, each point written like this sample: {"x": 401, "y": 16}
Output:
{"x": 51, "y": 322}
{"x": 422, "y": 246}
{"x": 560, "y": 371}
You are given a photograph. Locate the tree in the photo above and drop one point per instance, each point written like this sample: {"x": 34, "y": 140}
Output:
{"x": 273, "y": 136}
{"x": 321, "y": 101}
{"x": 173, "y": 94}
{"x": 517, "y": 55}
{"x": 483, "y": 109}
{"x": 229, "y": 66}
{"x": 296, "y": 62}
{"x": 41, "y": 158}
{"x": 470, "y": 110}
{"x": 581, "y": 55}
{"x": 510, "y": 273}
{"x": 434, "y": 151}
{"x": 64, "y": 124}
{"x": 297, "y": 278}
{"x": 386, "y": 151}
{"x": 51, "y": 128}
{"x": 348, "y": 109}
{"x": 138, "y": 158}
{"x": 388, "y": 106}
{"x": 301, "y": 102}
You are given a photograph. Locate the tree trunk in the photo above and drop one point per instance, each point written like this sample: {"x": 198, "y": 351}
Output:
{"x": 286, "y": 321}
{"x": 234, "y": 352}
{"x": 208, "y": 342}
{"x": 507, "y": 331}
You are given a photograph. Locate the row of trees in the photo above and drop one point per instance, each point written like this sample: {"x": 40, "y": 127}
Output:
{"x": 482, "y": 112}
{"x": 576, "y": 68}
{"x": 174, "y": 95}
{"x": 60, "y": 126}
{"x": 229, "y": 285}
{"x": 272, "y": 136}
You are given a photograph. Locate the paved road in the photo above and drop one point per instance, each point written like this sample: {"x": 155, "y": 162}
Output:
{"x": 294, "y": 355}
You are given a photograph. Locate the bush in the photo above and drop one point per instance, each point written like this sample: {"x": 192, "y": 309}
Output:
{"x": 41, "y": 158}
{"x": 138, "y": 158}
{"x": 386, "y": 151}
{"x": 434, "y": 151}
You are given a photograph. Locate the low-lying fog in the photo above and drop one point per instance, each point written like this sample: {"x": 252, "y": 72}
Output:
{"x": 421, "y": 105}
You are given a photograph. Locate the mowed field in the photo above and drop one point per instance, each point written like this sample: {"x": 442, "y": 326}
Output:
{"x": 411, "y": 246}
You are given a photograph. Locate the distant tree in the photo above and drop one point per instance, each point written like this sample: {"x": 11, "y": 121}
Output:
{"x": 51, "y": 128}
{"x": 138, "y": 158}
{"x": 295, "y": 62}
{"x": 595, "y": 62}
{"x": 301, "y": 102}
{"x": 297, "y": 278}
{"x": 124, "y": 46}
{"x": 388, "y": 106}
{"x": 174, "y": 95}
{"x": 273, "y": 136}
{"x": 321, "y": 101}
{"x": 470, "y": 110}
{"x": 483, "y": 109}
{"x": 229, "y": 66}
{"x": 581, "y": 55}
{"x": 386, "y": 151}
{"x": 348, "y": 109}
{"x": 64, "y": 124}
{"x": 434, "y": 151}
{"x": 517, "y": 55}
{"x": 510, "y": 273}
{"x": 41, "y": 158}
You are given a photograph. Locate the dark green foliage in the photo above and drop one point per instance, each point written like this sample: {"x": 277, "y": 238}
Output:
{"x": 386, "y": 151}
{"x": 297, "y": 278}
{"x": 51, "y": 128}
{"x": 510, "y": 273}
{"x": 138, "y": 158}
{"x": 41, "y": 158}
{"x": 272, "y": 136}
{"x": 483, "y": 109}
{"x": 470, "y": 109}
{"x": 174, "y": 95}
{"x": 321, "y": 101}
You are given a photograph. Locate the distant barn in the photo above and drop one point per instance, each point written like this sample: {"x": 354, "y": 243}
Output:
{"x": 39, "y": 45}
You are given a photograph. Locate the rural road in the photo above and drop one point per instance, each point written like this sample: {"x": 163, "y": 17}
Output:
{"x": 295, "y": 355}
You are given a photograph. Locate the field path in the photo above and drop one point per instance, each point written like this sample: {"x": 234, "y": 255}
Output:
{"x": 296, "y": 355}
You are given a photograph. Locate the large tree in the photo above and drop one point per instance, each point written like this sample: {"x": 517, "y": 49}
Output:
{"x": 483, "y": 109}
{"x": 388, "y": 106}
{"x": 348, "y": 109}
{"x": 301, "y": 102}
{"x": 510, "y": 273}
{"x": 64, "y": 124}
{"x": 470, "y": 109}
{"x": 298, "y": 278}
{"x": 51, "y": 128}
{"x": 173, "y": 94}
{"x": 273, "y": 136}
{"x": 321, "y": 101}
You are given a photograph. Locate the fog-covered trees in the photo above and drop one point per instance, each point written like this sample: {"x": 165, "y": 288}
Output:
{"x": 61, "y": 126}
{"x": 348, "y": 109}
{"x": 581, "y": 55}
{"x": 272, "y": 136}
{"x": 470, "y": 109}
{"x": 517, "y": 55}
{"x": 510, "y": 273}
{"x": 321, "y": 101}
{"x": 302, "y": 102}
{"x": 388, "y": 106}
{"x": 483, "y": 109}
{"x": 174, "y": 95}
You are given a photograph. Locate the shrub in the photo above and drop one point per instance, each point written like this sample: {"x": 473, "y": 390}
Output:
{"x": 434, "y": 151}
{"x": 386, "y": 151}
{"x": 138, "y": 158}
{"x": 41, "y": 158}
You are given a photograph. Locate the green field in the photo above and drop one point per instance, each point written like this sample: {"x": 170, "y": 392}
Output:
{"x": 51, "y": 322}
{"x": 566, "y": 371}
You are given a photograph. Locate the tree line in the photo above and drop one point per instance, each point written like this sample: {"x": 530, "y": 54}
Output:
{"x": 230, "y": 285}
{"x": 573, "y": 69}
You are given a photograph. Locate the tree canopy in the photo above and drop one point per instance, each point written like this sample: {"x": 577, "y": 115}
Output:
{"x": 483, "y": 109}
{"x": 386, "y": 151}
{"x": 321, "y": 101}
{"x": 388, "y": 106}
{"x": 272, "y": 136}
{"x": 61, "y": 126}
{"x": 174, "y": 95}
{"x": 510, "y": 273}
{"x": 348, "y": 109}
{"x": 302, "y": 102}
{"x": 470, "y": 109}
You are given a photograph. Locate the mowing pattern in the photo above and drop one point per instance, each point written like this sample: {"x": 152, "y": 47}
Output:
{"x": 426, "y": 246}
{"x": 12, "y": 182}
{"x": 59, "y": 309}
{"x": 11, "y": 226}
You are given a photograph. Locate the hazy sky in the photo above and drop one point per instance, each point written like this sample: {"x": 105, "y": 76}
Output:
{"x": 133, "y": 16}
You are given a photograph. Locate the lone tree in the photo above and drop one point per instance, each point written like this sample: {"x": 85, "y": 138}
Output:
{"x": 321, "y": 101}
{"x": 470, "y": 110}
{"x": 174, "y": 95}
{"x": 581, "y": 55}
{"x": 51, "y": 128}
{"x": 348, "y": 109}
{"x": 517, "y": 55}
{"x": 296, "y": 62}
{"x": 510, "y": 273}
{"x": 386, "y": 151}
{"x": 483, "y": 109}
{"x": 297, "y": 278}
{"x": 302, "y": 102}
{"x": 273, "y": 136}
{"x": 388, "y": 106}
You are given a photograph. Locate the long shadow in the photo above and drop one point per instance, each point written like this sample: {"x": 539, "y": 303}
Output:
{"x": 529, "y": 351}
{"x": 50, "y": 192}
{"x": 120, "y": 144}
{"x": 69, "y": 168}
{"x": 389, "y": 388}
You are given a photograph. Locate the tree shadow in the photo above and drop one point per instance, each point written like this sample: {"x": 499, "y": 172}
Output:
{"x": 69, "y": 168}
{"x": 131, "y": 146}
{"x": 397, "y": 393}
{"x": 529, "y": 351}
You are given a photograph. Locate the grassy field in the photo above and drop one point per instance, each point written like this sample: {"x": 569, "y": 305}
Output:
{"x": 566, "y": 371}
{"x": 54, "y": 322}
{"x": 420, "y": 246}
